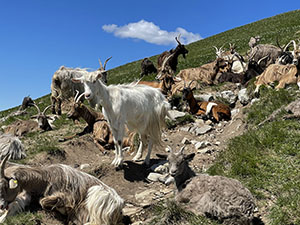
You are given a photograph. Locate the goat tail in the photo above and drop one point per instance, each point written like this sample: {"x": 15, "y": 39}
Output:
{"x": 104, "y": 206}
{"x": 158, "y": 121}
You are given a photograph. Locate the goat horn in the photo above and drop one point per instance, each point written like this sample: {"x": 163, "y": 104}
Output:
{"x": 177, "y": 39}
{"x": 101, "y": 66}
{"x": 184, "y": 84}
{"x": 2, "y": 165}
{"x": 216, "y": 49}
{"x": 165, "y": 61}
{"x": 44, "y": 112}
{"x": 259, "y": 61}
{"x": 106, "y": 62}
{"x": 295, "y": 46}
{"x": 287, "y": 45}
{"x": 80, "y": 96}
{"x": 38, "y": 109}
{"x": 77, "y": 92}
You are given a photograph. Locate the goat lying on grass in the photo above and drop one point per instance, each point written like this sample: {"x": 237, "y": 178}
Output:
{"x": 97, "y": 124}
{"x": 218, "y": 197}
{"x": 82, "y": 198}
{"x": 219, "y": 110}
{"x": 42, "y": 119}
{"x": 284, "y": 74}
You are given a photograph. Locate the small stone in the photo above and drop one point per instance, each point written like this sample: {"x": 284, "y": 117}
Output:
{"x": 185, "y": 141}
{"x": 84, "y": 166}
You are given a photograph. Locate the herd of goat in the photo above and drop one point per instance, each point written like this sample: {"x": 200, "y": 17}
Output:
{"x": 141, "y": 108}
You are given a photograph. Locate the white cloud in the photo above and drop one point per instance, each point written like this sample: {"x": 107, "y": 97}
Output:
{"x": 151, "y": 33}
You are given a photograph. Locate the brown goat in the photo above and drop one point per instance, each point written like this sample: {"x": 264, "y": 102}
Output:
{"x": 172, "y": 63}
{"x": 205, "y": 74}
{"x": 219, "y": 110}
{"x": 42, "y": 118}
{"x": 97, "y": 124}
{"x": 147, "y": 67}
{"x": 166, "y": 79}
{"x": 165, "y": 83}
{"x": 284, "y": 74}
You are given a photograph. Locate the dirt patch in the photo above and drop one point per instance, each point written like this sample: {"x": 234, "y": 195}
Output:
{"x": 131, "y": 182}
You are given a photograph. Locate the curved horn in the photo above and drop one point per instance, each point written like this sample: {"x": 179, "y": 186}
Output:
{"x": 2, "y": 165}
{"x": 166, "y": 60}
{"x": 295, "y": 46}
{"x": 216, "y": 49}
{"x": 48, "y": 107}
{"x": 259, "y": 61}
{"x": 38, "y": 109}
{"x": 278, "y": 45}
{"x": 78, "y": 99}
{"x": 101, "y": 66}
{"x": 158, "y": 76}
{"x": 106, "y": 62}
{"x": 77, "y": 92}
{"x": 177, "y": 39}
{"x": 288, "y": 44}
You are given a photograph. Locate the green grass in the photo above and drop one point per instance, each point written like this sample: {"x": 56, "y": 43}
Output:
{"x": 270, "y": 100}
{"x": 25, "y": 218}
{"x": 169, "y": 213}
{"x": 266, "y": 160}
{"x": 283, "y": 26}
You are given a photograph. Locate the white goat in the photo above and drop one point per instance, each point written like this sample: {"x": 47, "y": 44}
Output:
{"x": 142, "y": 108}
{"x": 238, "y": 65}
{"x": 82, "y": 198}
{"x": 63, "y": 88}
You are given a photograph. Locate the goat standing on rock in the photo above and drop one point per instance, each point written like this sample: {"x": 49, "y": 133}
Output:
{"x": 82, "y": 198}
{"x": 222, "y": 198}
{"x": 140, "y": 107}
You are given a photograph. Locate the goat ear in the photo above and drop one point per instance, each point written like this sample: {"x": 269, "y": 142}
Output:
{"x": 34, "y": 117}
{"x": 100, "y": 75}
{"x": 189, "y": 157}
{"x": 162, "y": 156}
{"x": 13, "y": 183}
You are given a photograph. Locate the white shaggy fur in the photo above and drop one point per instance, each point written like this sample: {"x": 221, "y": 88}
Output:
{"x": 142, "y": 108}
{"x": 82, "y": 198}
{"x": 101, "y": 204}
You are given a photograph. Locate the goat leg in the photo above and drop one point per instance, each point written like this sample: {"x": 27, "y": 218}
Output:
{"x": 101, "y": 148}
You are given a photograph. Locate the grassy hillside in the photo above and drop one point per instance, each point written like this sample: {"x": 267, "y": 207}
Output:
{"x": 266, "y": 160}
{"x": 283, "y": 26}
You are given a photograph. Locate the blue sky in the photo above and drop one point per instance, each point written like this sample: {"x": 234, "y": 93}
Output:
{"x": 38, "y": 36}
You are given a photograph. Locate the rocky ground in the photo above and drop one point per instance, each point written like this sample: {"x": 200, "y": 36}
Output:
{"x": 133, "y": 182}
